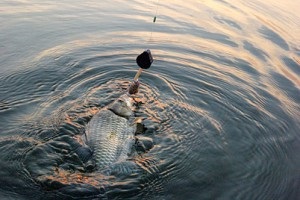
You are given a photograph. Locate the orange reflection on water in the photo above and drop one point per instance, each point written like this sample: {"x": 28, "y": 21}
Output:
{"x": 67, "y": 178}
{"x": 24, "y": 6}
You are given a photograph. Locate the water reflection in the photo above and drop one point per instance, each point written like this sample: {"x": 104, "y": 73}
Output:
{"x": 220, "y": 102}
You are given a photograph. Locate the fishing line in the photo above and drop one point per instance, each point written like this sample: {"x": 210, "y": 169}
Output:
{"x": 154, "y": 20}
{"x": 144, "y": 60}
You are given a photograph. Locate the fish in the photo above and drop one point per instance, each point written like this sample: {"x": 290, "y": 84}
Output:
{"x": 109, "y": 134}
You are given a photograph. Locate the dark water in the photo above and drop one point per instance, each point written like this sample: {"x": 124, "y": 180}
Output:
{"x": 221, "y": 100}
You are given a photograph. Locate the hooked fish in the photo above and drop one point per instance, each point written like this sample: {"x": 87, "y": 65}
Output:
{"x": 109, "y": 133}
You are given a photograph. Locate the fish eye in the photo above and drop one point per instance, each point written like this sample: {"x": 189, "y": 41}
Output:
{"x": 122, "y": 102}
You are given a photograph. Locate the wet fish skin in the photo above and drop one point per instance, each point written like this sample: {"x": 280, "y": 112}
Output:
{"x": 109, "y": 134}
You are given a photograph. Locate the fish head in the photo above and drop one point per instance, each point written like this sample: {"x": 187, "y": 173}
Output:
{"x": 123, "y": 106}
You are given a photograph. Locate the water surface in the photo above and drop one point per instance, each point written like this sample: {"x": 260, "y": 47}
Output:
{"x": 221, "y": 100}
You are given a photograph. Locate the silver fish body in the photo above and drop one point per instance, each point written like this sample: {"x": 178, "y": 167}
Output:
{"x": 110, "y": 135}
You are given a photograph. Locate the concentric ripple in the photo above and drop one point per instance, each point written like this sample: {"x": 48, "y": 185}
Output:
{"x": 221, "y": 100}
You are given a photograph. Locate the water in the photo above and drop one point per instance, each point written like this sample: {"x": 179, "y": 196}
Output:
{"x": 221, "y": 100}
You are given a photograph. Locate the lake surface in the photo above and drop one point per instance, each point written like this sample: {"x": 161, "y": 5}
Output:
{"x": 221, "y": 100}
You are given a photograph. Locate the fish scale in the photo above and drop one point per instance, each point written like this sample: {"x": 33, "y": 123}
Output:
{"x": 110, "y": 137}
